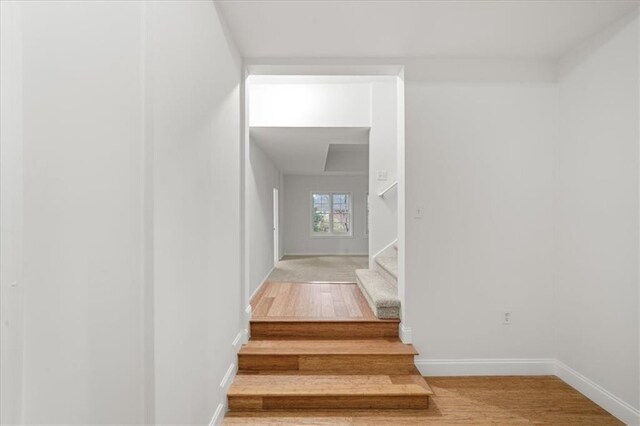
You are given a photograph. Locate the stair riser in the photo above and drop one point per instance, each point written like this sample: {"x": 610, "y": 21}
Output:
{"x": 386, "y": 274}
{"x": 323, "y": 330}
{"x": 328, "y": 402}
{"x": 330, "y": 364}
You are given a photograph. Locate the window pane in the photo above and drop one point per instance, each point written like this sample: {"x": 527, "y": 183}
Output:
{"x": 341, "y": 203}
{"x": 341, "y": 214}
{"x": 341, "y": 223}
{"x": 321, "y": 212}
{"x": 321, "y": 201}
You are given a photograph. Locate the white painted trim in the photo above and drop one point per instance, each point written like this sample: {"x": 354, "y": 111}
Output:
{"x": 598, "y": 394}
{"x": 344, "y": 67}
{"x": 387, "y": 189}
{"x": 247, "y": 322}
{"x": 218, "y": 416}
{"x": 487, "y": 367}
{"x": 326, "y": 254}
{"x": 228, "y": 377}
{"x": 241, "y": 339}
{"x": 386, "y": 248}
{"x": 401, "y": 206}
{"x": 245, "y": 161}
{"x": 406, "y": 335}
{"x": 264, "y": 280}
{"x": 221, "y": 409}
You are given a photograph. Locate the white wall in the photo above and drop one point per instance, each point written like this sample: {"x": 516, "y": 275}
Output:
{"x": 308, "y": 104}
{"x": 530, "y": 194}
{"x": 596, "y": 326}
{"x": 83, "y": 345}
{"x": 122, "y": 160}
{"x": 297, "y": 215}
{"x": 479, "y": 159}
{"x": 11, "y": 285}
{"x": 194, "y": 104}
{"x": 263, "y": 177}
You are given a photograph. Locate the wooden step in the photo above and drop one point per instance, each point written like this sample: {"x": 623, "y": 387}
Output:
{"x": 273, "y": 392}
{"x": 374, "y": 356}
{"x": 323, "y": 329}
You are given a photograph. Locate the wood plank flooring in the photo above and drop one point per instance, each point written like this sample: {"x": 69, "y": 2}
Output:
{"x": 371, "y": 356}
{"x": 316, "y": 311}
{"x": 319, "y": 346}
{"x": 318, "y": 356}
{"x": 458, "y": 401}
{"x": 311, "y": 302}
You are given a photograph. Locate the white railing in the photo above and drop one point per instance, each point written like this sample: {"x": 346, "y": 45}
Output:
{"x": 387, "y": 189}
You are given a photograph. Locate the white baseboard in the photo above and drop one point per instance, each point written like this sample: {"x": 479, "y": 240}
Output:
{"x": 532, "y": 367}
{"x": 406, "y": 335}
{"x": 598, "y": 394}
{"x": 218, "y": 416}
{"x": 221, "y": 409}
{"x": 228, "y": 377}
{"x": 241, "y": 339}
{"x": 486, "y": 367}
{"x": 326, "y": 254}
{"x": 264, "y": 280}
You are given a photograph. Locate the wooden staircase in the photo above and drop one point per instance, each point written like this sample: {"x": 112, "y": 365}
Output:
{"x": 311, "y": 363}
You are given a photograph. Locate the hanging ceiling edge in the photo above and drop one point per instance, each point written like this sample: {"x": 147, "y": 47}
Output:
{"x": 322, "y": 66}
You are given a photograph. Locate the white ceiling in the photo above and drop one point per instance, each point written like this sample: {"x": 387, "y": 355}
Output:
{"x": 384, "y": 28}
{"x": 303, "y": 150}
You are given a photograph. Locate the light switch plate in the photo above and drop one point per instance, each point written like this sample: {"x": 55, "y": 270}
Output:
{"x": 382, "y": 175}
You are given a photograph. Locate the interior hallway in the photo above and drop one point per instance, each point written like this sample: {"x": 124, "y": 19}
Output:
{"x": 298, "y": 269}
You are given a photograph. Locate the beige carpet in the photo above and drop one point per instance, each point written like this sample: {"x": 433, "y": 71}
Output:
{"x": 318, "y": 268}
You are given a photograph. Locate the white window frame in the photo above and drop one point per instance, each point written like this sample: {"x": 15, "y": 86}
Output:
{"x": 331, "y": 234}
{"x": 366, "y": 215}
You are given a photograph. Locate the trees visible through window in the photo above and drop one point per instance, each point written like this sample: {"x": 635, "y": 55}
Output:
{"x": 331, "y": 213}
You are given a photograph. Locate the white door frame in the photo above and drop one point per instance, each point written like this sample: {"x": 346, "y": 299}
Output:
{"x": 276, "y": 226}
{"x": 328, "y": 66}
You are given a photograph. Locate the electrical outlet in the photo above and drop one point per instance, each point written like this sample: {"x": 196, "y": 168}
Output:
{"x": 507, "y": 317}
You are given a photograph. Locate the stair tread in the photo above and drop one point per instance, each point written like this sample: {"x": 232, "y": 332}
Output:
{"x": 328, "y": 347}
{"x": 381, "y": 292}
{"x": 246, "y": 385}
{"x": 389, "y": 264}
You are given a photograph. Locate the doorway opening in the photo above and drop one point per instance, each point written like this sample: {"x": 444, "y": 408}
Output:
{"x": 319, "y": 145}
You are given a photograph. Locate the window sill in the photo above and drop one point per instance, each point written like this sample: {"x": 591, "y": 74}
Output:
{"x": 337, "y": 236}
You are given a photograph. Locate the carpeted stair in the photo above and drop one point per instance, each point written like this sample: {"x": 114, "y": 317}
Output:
{"x": 380, "y": 287}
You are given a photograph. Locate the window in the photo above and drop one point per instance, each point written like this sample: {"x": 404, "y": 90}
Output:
{"x": 331, "y": 214}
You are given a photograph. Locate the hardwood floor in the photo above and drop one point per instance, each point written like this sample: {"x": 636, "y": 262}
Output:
{"x": 318, "y": 346}
{"x": 372, "y": 356}
{"x": 460, "y": 400}
{"x": 318, "y": 355}
{"x": 310, "y": 301}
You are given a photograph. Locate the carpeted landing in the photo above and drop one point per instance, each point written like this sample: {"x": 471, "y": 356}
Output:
{"x": 318, "y": 268}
